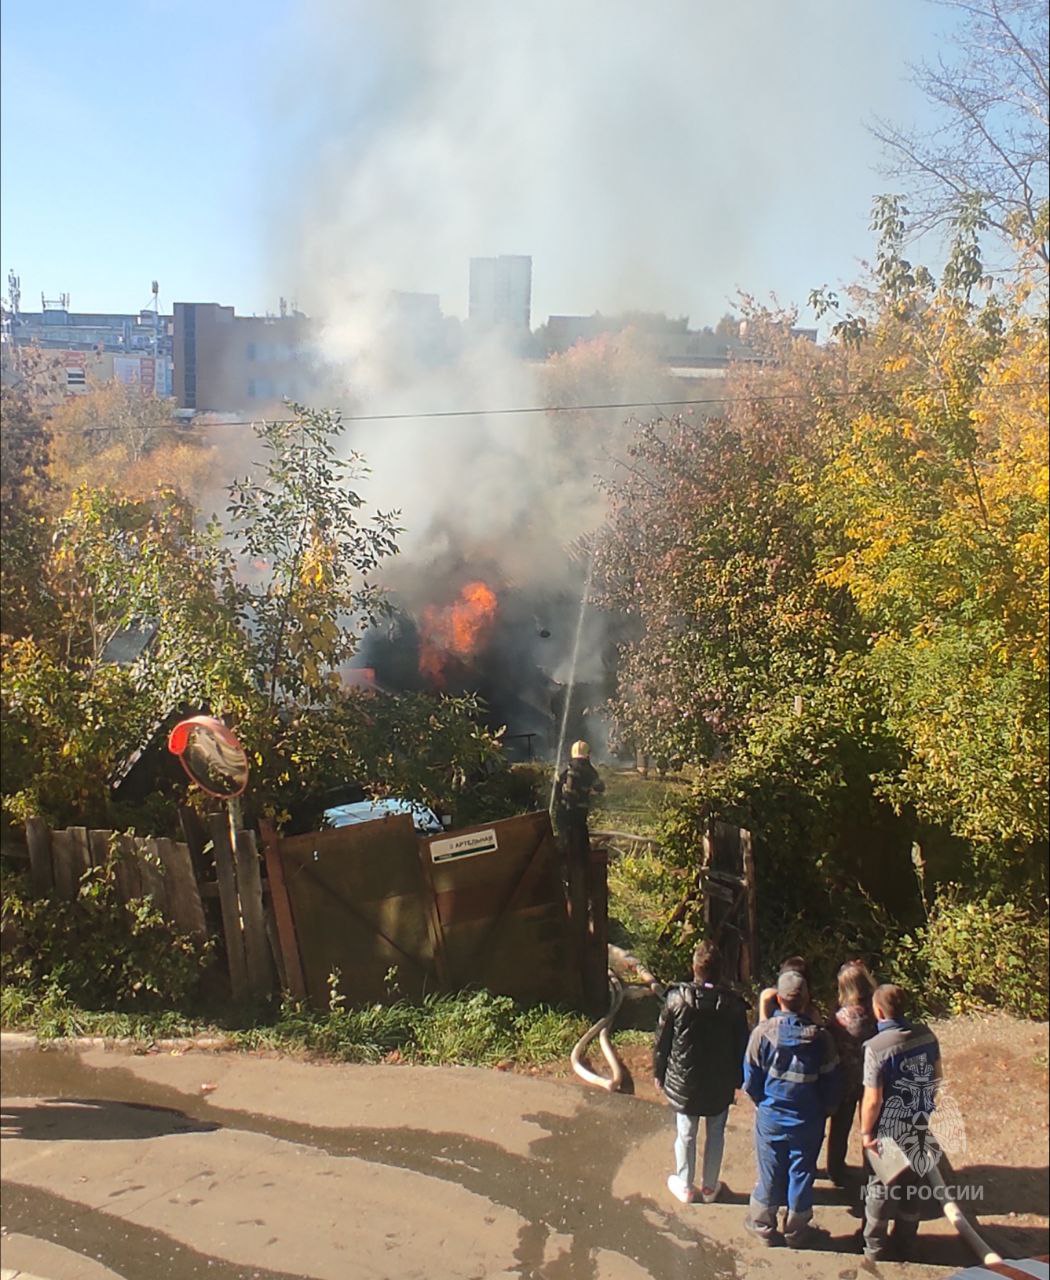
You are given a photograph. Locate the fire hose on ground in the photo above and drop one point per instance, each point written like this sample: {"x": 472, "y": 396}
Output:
{"x": 622, "y": 961}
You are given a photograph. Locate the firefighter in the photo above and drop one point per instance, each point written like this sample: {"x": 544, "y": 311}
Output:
{"x": 576, "y": 784}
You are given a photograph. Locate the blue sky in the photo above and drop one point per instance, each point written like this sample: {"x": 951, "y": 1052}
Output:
{"x": 236, "y": 151}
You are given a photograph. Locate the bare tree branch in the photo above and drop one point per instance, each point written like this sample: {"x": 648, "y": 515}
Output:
{"x": 991, "y": 138}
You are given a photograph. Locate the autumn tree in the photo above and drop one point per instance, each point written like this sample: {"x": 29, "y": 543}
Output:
{"x": 24, "y": 456}
{"x": 115, "y": 437}
{"x": 839, "y": 598}
{"x": 709, "y": 550}
{"x": 308, "y": 557}
{"x": 71, "y": 715}
{"x": 934, "y": 505}
{"x": 251, "y": 623}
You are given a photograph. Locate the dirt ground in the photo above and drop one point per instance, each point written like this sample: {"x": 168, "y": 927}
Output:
{"x": 244, "y": 1167}
{"x": 997, "y": 1070}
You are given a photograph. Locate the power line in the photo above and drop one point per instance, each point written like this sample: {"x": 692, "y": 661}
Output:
{"x": 582, "y": 408}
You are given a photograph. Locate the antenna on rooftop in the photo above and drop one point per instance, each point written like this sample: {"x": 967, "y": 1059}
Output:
{"x": 154, "y": 289}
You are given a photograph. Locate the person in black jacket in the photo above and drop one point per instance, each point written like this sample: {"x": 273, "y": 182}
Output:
{"x": 698, "y": 1063}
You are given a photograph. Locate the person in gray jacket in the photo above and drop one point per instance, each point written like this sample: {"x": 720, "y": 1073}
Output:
{"x": 698, "y": 1063}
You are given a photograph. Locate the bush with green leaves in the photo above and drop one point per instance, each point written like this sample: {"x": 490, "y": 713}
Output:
{"x": 96, "y": 951}
{"x": 977, "y": 953}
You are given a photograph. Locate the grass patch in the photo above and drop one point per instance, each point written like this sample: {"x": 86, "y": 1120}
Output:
{"x": 645, "y": 885}
{"x": 473, "y": 1028}
{"x": 632, "y": 1036}
{"x": 467, "y": 1028}
{"x": 50, "y": 1013}
{"x": 634, "y": 804}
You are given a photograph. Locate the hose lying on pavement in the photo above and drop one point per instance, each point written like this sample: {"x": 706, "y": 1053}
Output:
{"x": 613, "y": 1082}
{"x": 960, "y": 1222}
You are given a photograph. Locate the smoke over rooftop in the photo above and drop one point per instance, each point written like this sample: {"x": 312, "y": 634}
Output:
{"x": 637, "y": 154}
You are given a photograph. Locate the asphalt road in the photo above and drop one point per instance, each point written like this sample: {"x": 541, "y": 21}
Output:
{"x": 230, "y": 1167}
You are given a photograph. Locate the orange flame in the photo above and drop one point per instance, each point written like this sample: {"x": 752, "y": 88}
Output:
{"x": 456, "y": 630}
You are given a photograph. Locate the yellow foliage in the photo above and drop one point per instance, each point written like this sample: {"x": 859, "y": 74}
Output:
{"x": 112, "y": 437}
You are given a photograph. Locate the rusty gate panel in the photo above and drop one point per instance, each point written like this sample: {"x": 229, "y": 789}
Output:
{"x": 361, "y": 904}
{"x": 730, "y": 903}
{"x": 501, "y": 909}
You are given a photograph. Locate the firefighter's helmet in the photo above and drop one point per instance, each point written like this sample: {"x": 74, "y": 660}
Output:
{"x": 580, "y": 750}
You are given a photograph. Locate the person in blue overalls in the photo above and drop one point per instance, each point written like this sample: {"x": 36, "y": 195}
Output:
{"x": 792, "y": 1074}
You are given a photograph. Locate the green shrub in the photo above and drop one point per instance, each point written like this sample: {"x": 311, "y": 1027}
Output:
{"x": 96, "y": 952}
{"x": 477, "y": 1027}
{"x": 645, "y": 887}
{"x": 977, "y": 954}
{"x": 502, "y": 791}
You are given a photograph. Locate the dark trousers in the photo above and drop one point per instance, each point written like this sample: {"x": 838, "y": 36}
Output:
{"x": 886, "y": 1207}
{"x": 839, "y": 1127}
{"x": 786, "y": 1156}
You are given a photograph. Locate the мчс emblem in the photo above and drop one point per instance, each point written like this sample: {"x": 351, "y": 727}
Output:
{"x": 921, "y": 1117}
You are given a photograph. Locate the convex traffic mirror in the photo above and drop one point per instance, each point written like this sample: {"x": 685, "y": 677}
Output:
{"x": 211, "y": 755}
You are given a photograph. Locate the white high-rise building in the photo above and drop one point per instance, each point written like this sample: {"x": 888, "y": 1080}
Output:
{"x": 501, "y": 292}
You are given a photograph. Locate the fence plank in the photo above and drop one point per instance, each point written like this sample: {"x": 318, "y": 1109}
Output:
{"x": 282, "y": 913}
{"x": 196, "y": 836}
{"x": 81, "y": 851}
{"x": 249, "y": 890}
{"x": 63, "y": 865}
{"x": 219, "y": 830}
{"x": 275, "y": 943}
{"x": 187, "y": 913}
{"x": 38, "y": 841}
{"x": 98, "y": 847}
{"x": 595, "y": 983}
{"x": 129, "y": 874}
{"x": 152, "y": 874}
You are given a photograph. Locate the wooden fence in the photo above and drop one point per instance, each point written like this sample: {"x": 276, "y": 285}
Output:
{"x": 485, "y": 905}
{"x": 174, "y": 876}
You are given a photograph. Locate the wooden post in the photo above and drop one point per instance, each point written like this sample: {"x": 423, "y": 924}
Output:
{"x": 577, "y": 874}
{"x": 196, "y": 836}
{"x": 98, "y": 847}
{"x": 62, "y": 864}
{"x": 81, "y": 854}
{"x": 38, "y": 841}
{"x": 706, "y": 857}
{"x": 151, "y": 871}
{"x": 434, "y": 929}
{"x": 598, "y": 936}
{"x": 249, "y": 889}
{"x": 219, "y": 830}
{"x": 129, "y": 869}
{"x": 282, "y": 912}
{"x": 275, "y": 943}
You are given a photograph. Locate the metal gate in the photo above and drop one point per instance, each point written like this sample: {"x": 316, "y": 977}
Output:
{"x": 354, "y": 900}
{"x": 482, "y": 907}
{"x": 501, "y": 909}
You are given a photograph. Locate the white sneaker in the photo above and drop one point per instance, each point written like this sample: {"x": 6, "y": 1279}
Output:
{"x": 680, "y": 1190}
{"x": 709, "y": 1195}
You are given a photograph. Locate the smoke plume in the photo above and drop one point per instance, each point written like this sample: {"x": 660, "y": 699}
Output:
{"x": 640, "y": 154}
